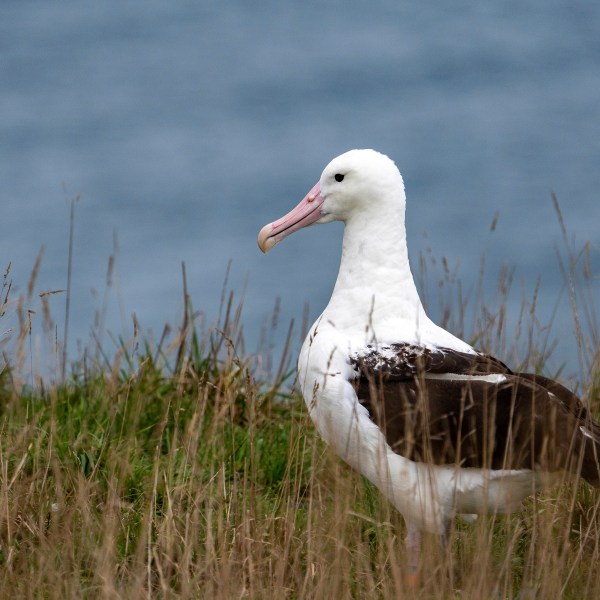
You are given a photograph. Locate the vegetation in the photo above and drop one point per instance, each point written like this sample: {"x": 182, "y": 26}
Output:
{"x": 169, "y": 471}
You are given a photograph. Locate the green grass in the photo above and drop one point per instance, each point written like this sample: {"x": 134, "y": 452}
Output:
{"x": 169, "y": 471}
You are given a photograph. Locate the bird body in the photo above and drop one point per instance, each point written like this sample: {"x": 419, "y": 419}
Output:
{"x": 427, "y": 495}
{"x": 440, "y": 428}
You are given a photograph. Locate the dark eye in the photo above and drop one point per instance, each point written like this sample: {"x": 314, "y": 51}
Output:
{"x": 339, "y": 177}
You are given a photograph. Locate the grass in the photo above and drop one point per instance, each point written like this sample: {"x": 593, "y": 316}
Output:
{"x": 168, "y": 471}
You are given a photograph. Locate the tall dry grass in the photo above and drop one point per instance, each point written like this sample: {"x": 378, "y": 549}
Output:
{"x": 168, "y": 470}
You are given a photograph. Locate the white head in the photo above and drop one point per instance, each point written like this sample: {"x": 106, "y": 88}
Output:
{"x": 353, "y": 184}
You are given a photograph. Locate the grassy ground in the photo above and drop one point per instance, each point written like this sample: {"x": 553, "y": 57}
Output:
{"x": 171, "y": 472}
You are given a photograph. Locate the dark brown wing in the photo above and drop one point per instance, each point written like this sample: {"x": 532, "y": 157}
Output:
{"x": 516, "y": 421}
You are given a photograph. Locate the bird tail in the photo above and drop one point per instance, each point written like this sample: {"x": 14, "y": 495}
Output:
{"x": 590, "y": 459}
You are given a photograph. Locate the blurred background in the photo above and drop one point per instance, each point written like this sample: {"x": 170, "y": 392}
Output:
{"x": 184, "y": 127}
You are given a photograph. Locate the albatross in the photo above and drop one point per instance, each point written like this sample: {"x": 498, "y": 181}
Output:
{"x": 439, "y": 427}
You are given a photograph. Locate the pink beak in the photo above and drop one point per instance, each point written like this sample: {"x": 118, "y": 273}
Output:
{"x": 306, "y": 213}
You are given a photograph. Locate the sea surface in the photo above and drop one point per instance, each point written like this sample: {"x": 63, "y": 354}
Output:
{"x": 183, "y": 127}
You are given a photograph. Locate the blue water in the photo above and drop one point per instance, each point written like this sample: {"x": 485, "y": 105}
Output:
{"x": 186, "y": 126}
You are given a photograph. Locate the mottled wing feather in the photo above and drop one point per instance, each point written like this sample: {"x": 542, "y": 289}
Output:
{"x": 519, "y": 421}
{"x": 403, "y": 361}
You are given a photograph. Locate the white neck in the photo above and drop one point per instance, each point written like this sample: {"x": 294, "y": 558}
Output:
{"x": 375, "y": 290}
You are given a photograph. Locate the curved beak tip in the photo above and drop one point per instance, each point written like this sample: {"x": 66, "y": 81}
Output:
{"x": 265, "y": 243}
